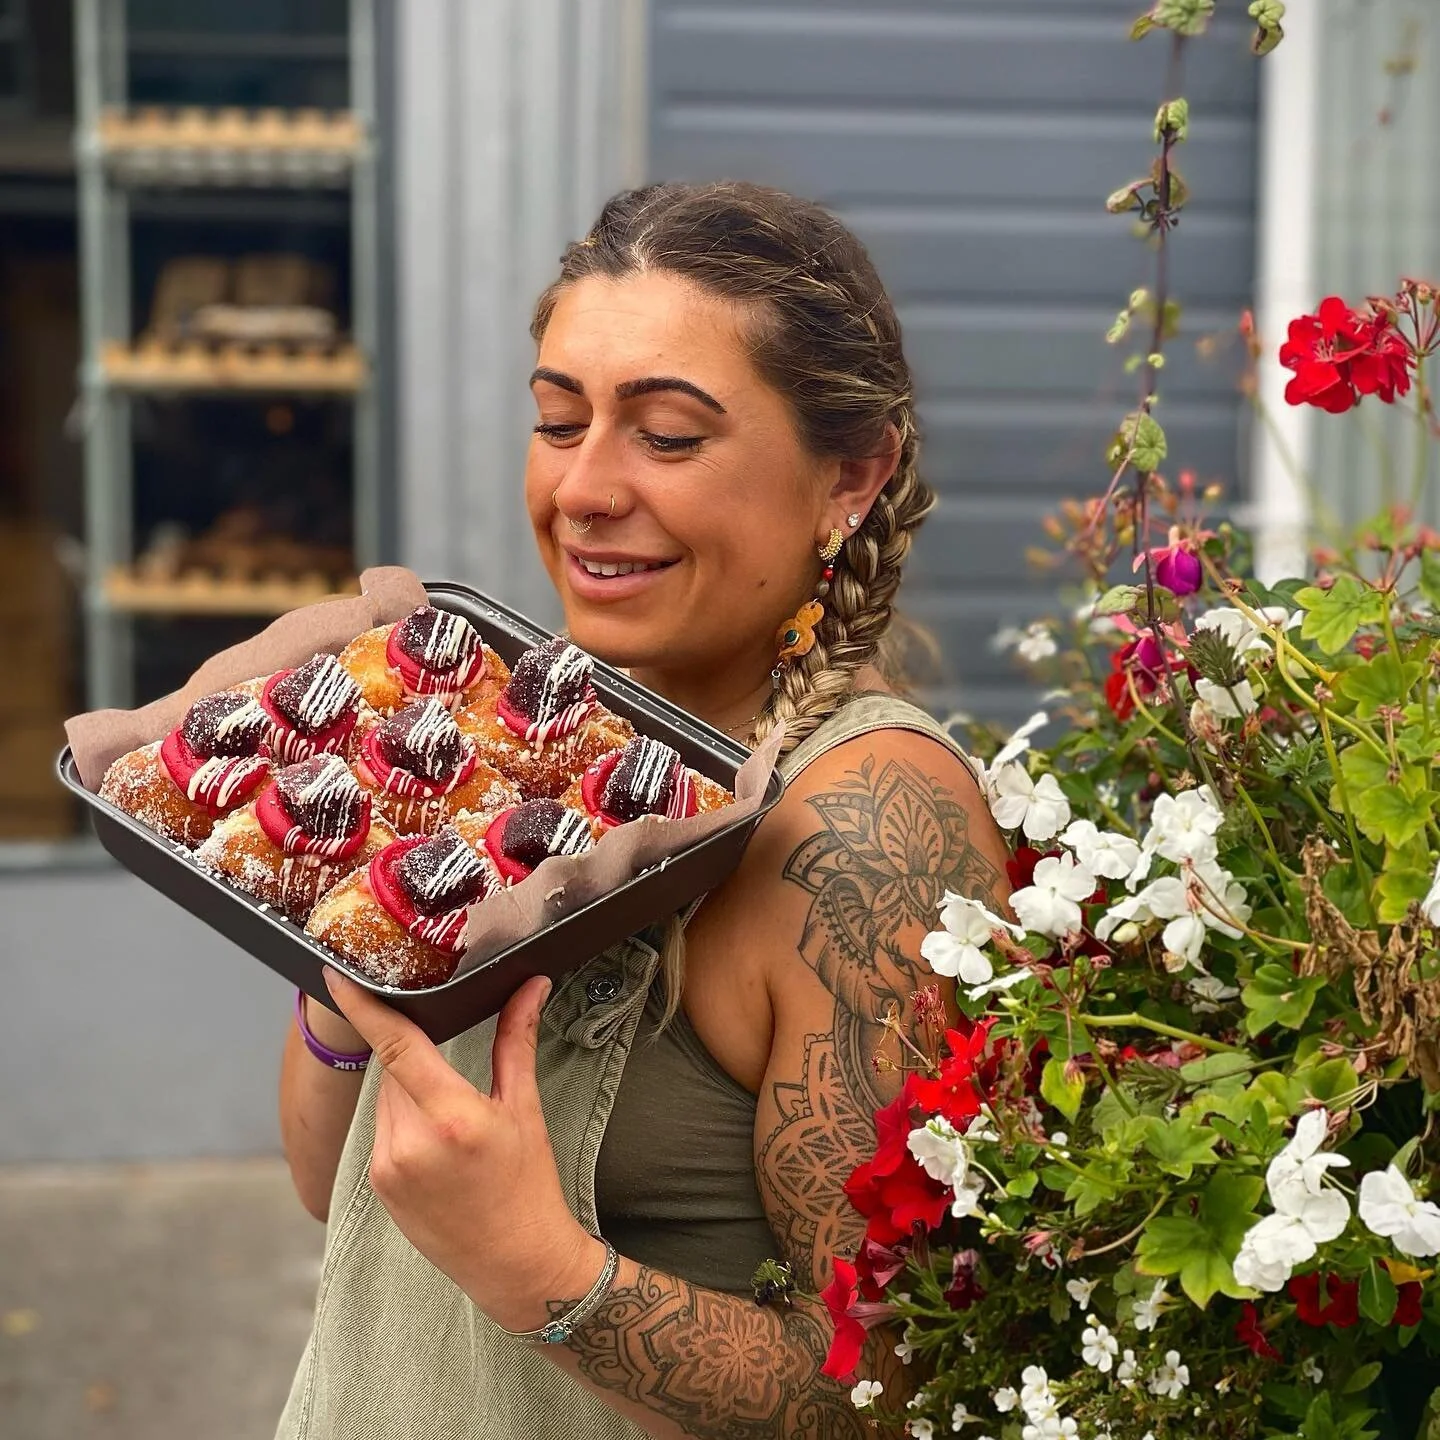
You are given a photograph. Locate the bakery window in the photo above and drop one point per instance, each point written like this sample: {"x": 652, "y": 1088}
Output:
{"x": 190, "y": 373}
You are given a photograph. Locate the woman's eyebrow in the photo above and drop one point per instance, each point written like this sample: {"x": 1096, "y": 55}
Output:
{"x": 557, "y": 378}
{"x": 629, "y": 389}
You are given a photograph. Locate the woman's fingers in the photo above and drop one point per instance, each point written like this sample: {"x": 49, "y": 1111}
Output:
{"x": 513, "y": 1059}
{"x": 408, "y": 1055}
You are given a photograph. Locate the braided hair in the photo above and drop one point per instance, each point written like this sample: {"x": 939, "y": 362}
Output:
{"x": 825, "y": 336}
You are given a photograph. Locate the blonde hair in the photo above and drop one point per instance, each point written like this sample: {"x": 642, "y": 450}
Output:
{"x": 826, "y": 337}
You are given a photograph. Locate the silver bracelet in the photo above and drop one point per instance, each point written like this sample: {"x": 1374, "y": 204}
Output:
{"x": 559, "y": 1330}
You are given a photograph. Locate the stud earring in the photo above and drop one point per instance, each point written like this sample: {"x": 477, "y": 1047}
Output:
{"x": 852, "y": 520}
{"x": 796, "y": 637}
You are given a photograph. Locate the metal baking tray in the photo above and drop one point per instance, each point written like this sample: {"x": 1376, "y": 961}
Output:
{"x": 454, "y": 1007}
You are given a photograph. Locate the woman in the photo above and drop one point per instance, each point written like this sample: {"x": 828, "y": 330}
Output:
{"x": 722, "y": 398}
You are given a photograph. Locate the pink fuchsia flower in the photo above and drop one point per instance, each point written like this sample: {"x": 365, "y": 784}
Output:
{"x": 1176, "y": 566}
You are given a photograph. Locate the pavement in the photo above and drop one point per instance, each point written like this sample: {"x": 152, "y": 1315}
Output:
{"x": 151, "y": 1302}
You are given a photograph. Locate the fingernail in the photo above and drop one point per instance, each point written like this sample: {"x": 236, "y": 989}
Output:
{"x": 333, "y": 979}
{"x": 546, "y": 989}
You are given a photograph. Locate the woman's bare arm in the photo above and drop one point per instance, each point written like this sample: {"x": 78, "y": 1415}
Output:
{"x": 317, "y": 1105}
{"x": 846, "y": 875}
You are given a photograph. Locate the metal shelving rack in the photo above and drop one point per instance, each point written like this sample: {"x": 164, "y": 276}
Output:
{"x": 119, "y": 149}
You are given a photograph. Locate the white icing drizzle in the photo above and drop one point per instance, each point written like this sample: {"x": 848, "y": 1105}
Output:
{"x": 314, "y": 849}
{"x": 288, "y": 745}
{"x": 452, "y": 869}
{"x": 682, "y": 798}
{"x": 572, "y": 834}
{"x": 572, "y": 664}
{"x": 243, "y": 718}
{"x": 654, "y": 763}
{"x": 448, "y": 641}
{"x": 433, "y": 727}
{"x": 331, "y": 789}
{"x": 328, "y": 695}
{"x": 222, "y": 776}
{"x": 540, "y": 733}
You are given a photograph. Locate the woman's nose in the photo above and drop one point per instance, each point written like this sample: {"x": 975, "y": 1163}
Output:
{"x": 593, "y": 482}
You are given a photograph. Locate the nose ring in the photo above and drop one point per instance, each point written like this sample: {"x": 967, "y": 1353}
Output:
{"x": 589, "y": 519}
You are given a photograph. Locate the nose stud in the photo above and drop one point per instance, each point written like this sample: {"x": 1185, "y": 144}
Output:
{"x": 578, "y": 528}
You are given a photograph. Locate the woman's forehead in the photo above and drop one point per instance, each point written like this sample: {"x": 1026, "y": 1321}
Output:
{"x": 618, "y": 329}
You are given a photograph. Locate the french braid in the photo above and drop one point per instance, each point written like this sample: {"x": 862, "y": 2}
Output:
{"x": 824, "y": 334}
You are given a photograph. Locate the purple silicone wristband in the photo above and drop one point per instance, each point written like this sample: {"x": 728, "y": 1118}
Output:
{"x": 323, "y": 1053}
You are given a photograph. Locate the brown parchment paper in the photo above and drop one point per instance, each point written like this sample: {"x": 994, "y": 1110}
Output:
{"x": 387, "y": 593}
{"x": 564, "y": 883}
{"x": 558, "y": 887}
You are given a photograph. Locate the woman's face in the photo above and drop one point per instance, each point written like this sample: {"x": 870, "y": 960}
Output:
{"x": 646, "y": 397}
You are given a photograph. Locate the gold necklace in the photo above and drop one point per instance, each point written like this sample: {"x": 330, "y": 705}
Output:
{"x": 746, "y": 727}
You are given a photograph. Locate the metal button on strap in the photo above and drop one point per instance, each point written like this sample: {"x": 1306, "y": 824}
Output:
{"x": 602, "y": 989}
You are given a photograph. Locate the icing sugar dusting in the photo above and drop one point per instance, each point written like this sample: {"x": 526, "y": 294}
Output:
{"x": 437, "y": 639}
{"x": 643, "y": 780}
{"x": 322, "y": 796}
{"x": 424, "y": 739}
{"x": 442, "y": 874}
{"x": 316, "y": 695}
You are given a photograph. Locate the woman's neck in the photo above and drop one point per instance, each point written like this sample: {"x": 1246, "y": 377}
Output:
{"x": 729, "y": 701}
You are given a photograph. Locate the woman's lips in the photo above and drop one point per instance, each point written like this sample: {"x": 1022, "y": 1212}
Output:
{"x": 589, "y": 586}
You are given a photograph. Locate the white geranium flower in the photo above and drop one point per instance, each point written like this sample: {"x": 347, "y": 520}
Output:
{"x": 1208, "y": 993}
{"x": 1162, "y": 899}
{"x": 1050, "y": 903}
{"x": 922, "y": 1429}
{"x": 956, "y": 950}
{"x": 1037, "y": 643}
{"x": 1303, "y": 1221}
{"x": 1080, "y": 1291}
{"x": 1257, "y": 1273}
{"x": 1098, "y": 1348}
{"x": 1182, "y": 827}
{"x": 1302, "y": 1162}
{"x": 866, "y": 1393}
{"x": 1127, "y": 1369}
{"x": 1430, "y": 905}
{"x": 1052, "y": 1427}
{"x": 1229, "y": 702}
{"x": 1147, "y": 1312}
{"x": 1037, "y": 807}
{"x": 1019, "y": 742}
{"x": 1184, "y": 938}
{"x": 940, "y": 1151}
{"x": 1001, "y": 982}
{"x": 1036, "y": 1397}
{"x": 1390, "y": 1209}
{"x": 1005, "y": 1399}
{"x": 1312, "y": 1371}
{"x": 1103, "y": 852}
{"x": 1170, "y": 1378}
{"x": 967, "y": 1196}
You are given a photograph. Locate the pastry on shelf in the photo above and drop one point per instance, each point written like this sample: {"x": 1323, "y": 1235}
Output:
{"x": 306, "y": 830}
{"x": 422, "y": 770}
{"x": 646, "y": 777}
{"x": 429, "y": 654}
{"x": 313, "y": 710}
{"x": 546, "y": 726}
{"x": 520, "y": 838}
{"x": 209, "y": 765}
{"x": 401, "y": 920}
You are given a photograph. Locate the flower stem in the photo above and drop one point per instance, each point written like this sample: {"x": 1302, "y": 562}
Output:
{"x": 1135, "y": 1021}
{"x": 1130, "y": 1235}
{"x": 1342, "y": 794}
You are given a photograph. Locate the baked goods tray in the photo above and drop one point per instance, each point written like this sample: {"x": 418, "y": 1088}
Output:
{"x": 454, "y": 1007}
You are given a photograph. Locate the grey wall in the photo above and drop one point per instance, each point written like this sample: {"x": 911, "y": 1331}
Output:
{"x": 127, "y": 1029}
{"x": 971, "y": 144}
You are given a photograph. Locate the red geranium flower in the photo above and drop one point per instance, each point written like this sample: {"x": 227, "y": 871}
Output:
{"x": 1383, "y": 367}
{"x": 1341, "y": 1307}
{"x": 1407, "y": 1304}
{"x": 1248, "y": 1332}
{"x": 954, "y": 1094}
{"x": 894, "y": 1203}
{"x": 852, "y": 1318}
{"x": 1339, "y": 354}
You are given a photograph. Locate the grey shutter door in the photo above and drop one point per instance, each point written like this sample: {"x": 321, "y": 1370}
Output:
{"x": 971, "y": 145}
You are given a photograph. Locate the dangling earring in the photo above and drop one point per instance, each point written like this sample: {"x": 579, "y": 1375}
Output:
{"x": 796, "y": 637}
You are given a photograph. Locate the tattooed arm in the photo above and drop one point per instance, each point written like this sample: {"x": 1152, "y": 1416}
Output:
{"x": 839, "y": 886}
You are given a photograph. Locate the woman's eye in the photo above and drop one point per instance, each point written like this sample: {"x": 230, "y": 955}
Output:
{"x": 558, "y": 431}
{"x": 671, "y": 444}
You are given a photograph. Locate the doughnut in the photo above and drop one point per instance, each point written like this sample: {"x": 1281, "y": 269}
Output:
{"x": 421, "y": 770}
{"x": 430, "y": 654}
{"x": 309, "y": 828}
{"x": 646, "y": 777}
{"x": 546, "y": 725}
{"x": 518, "y": 839}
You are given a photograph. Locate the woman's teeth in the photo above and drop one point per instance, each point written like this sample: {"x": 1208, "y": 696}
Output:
{"x": 594, "y": 567}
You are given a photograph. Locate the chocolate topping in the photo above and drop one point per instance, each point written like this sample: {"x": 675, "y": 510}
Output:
{"x": 424, "y": 739}
{"x": 436, "y": 639}
{"x": 441, "y": 874}
{"x": 315, "y": 695}
{"x": 549, "y": 678}
{"x": 228, "y": 724}
{"x": 322, "y": 797}
{"x": 540, "y": 828}
{"x": 643, "y": 780}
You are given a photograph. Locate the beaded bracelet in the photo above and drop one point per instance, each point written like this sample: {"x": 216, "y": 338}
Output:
{"x": 335, "y": 1059}
{"x": 559, "y": 1330}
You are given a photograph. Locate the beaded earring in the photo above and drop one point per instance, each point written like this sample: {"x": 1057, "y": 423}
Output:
{"x": 796, "y": 637}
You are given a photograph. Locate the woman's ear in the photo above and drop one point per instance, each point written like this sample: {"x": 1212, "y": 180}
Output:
{"x": 861, "y": 480}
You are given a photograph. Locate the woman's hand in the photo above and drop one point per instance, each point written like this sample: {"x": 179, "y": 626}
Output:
{"x": 469, "y": 1178}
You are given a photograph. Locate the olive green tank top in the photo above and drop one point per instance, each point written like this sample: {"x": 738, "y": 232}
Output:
{"x": 398, "y": 1352}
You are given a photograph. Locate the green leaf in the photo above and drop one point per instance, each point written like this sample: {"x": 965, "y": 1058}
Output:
{"x": 1181, "y": 1144}
{"x": 1064, "y": 1094}
{"x": 1388, "y": 806}
{"x": 1022, "y": 1184}
{"x": 1430, "y": 576}
{"x": 1381, "y": 680}
{"x": 1319, "y": 1422}
{"x": 1141, "y": 438}
{"x": 1142, "y": 27}
{"x": 1098, "y": 1184}
{"x": 1332, "y": 1082}
{"x": 1199, "y": 1248}
{"x": 1118, "y": 600}
{"x": 1378, "y": 1295}
{"x": 1277, "y": 996}
{"x": 1363, "y": 1378}
{"x": 1333, "y": 616}
{"x": 1215, "y": 1067}
{"x": 1400, "y": 887}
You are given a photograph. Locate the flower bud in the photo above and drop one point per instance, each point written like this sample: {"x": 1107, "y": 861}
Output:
{"x": 1126, "y": 934}
{"x": 1172, "y": 119}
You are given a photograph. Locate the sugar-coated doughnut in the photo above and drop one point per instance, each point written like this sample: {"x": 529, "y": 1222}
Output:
{"x": 430, "y": 654}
